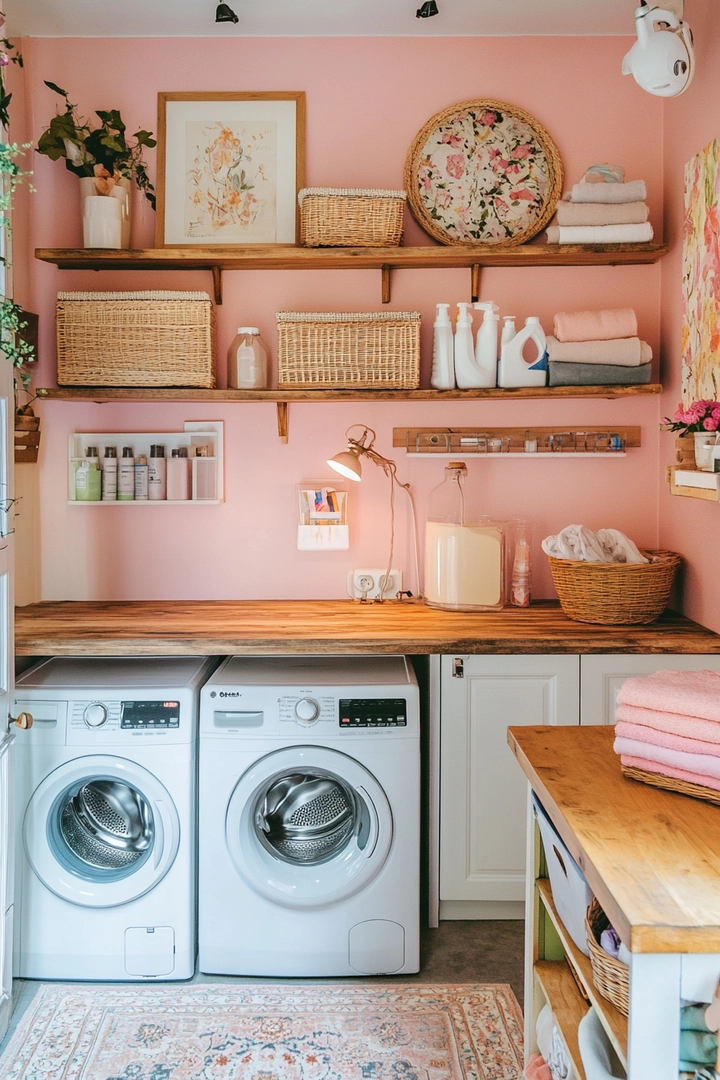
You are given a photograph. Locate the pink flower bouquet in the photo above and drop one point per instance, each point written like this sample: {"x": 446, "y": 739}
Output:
{"x": 699, "y": 416}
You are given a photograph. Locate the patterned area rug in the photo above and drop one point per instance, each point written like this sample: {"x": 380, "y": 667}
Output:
{"x": 267, "y": 1032}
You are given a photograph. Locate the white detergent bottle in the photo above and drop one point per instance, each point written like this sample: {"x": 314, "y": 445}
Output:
{"x": 514, "y": 369}
{"x": 467, "y": 374}
{"x": 442, "y": 376}
{"x": 508, "y": 330}
{"x": 486, "y": 347}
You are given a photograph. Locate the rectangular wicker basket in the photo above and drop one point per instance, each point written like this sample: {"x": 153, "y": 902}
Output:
{"x": 333, "y": 350}
{"x": 146, "y": 339}
{"x": 351, "y": 217}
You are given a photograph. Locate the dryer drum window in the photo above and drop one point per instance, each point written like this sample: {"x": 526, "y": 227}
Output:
{"x": 309, "y": 816}
{"x": 101, "y": 828}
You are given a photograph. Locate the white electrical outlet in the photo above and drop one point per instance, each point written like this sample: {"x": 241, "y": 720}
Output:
{"x": 368, "y": 584}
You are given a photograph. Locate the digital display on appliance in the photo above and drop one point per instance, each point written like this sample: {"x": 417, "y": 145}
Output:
{"x": 372, "y": 712}
{"x": 150, "y": 714}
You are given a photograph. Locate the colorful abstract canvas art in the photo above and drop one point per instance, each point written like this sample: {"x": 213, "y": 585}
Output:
{"x": 701, "y": 277}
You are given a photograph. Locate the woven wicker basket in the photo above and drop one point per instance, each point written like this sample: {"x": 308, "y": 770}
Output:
{"x": 135, "y": 339}
{"x": 370, "y": 350}
{"x": 351, "y": 217}
{"x": 670, "y": 783}
{"x": 610, "y": 976}
{"x": 615, "y": 594}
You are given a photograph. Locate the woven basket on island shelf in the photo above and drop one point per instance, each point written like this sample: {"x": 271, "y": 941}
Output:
{"x": 670, "y": 783}
{"x": 351, "y": 217}
{"x": 610, "y": 976}
{"x": 615, "y": 594}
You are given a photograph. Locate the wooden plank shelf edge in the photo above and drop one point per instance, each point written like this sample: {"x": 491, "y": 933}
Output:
{"x": 708, "y": 494}
{"x": 568, "y": 1008}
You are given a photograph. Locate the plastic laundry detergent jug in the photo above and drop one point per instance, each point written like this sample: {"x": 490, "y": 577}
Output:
{"x": 513, "y": 368}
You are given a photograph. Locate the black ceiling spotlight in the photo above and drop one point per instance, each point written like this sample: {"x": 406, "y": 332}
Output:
{"x": 224, "y": 13}
{"x": 428, "y": 9}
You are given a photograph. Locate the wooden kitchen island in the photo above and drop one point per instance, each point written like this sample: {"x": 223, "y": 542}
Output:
{"x": 278, "y": 627}
{"x": 652, "y": 859}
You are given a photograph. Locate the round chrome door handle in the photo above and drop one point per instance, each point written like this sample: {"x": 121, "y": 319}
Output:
{"x": 95, "y": 714}
{"x": 24, "y": 720}
{"x": 307, "y": 710}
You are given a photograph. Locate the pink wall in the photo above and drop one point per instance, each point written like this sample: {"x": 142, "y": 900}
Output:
{"x": 690, "y": 123}
{"x": 366, "y": 100}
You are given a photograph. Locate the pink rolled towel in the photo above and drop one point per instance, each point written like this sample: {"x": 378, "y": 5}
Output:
{"x": 689, "y": 693}
{"x": 690, "y": 727}
{"x": 537, "y": 1068}
{"x": 626, "y": 351}
{"x": 675, "y": 759}
{"x": 570, "y": 213}
{"x": 632, "y": 191}
{"x": 665, "y": 738}
{"x": 595, "y": 325}
{"x": 666, "y": 770}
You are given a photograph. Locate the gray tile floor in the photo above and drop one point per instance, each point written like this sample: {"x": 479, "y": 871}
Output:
{"x": 478, "y": 951}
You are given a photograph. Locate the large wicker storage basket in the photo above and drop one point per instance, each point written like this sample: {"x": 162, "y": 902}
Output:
{"x": 135, "y": 339}
{"x": 615, "y": 594}
{"x": 369, "y": 350}
{"x": 351, "y": 217}
{"x": 610, "y": 976}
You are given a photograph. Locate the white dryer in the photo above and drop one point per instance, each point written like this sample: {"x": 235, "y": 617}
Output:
{"x": 309, "y": 817}
{"x": 105, "y": 818}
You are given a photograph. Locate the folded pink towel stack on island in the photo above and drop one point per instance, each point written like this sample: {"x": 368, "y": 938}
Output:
{"x": 669, "y": 723}
{"x": 602, "y": 209}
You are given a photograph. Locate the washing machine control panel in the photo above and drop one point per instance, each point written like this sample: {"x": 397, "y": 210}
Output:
{"x": 150, "y": 715}
{"x": 372, "y": 712}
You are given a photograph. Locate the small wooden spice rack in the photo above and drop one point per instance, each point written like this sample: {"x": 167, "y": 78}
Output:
{"x": 507, "y": 442}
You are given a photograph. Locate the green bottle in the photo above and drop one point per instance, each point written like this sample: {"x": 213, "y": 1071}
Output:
{"x": 88, "y": 477}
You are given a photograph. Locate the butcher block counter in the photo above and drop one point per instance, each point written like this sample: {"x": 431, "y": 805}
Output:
{"x": 277, "y": 627}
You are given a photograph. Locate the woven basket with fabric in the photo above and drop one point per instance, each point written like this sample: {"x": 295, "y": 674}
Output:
{"x": 610, "y": 976}
{"x": 670, "y": 783}
{"x": 334, "y": 350}
{"x": 351, "y": 217}
{"x": 615, "y": 594}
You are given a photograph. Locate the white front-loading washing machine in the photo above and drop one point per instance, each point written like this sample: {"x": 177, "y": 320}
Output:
{"x": 309, "y": 817}
{"x": 105, "y": 818}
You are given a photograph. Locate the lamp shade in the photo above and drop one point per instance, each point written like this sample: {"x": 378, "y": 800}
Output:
{"x": 347, "y": 464}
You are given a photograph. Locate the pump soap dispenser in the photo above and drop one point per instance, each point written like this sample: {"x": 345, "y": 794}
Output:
{"x": 486, "y": 347}
{"x": 513, "y": 368}
{"x": 442, "y": 376}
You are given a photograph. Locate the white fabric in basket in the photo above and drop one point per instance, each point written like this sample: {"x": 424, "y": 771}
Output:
{"x": 582, "y": 544}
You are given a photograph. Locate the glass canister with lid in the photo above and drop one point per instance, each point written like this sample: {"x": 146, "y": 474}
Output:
{"x": 464, "y": 550}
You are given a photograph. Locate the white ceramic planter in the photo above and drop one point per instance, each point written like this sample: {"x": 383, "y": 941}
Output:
{"x": 120, "y": 194}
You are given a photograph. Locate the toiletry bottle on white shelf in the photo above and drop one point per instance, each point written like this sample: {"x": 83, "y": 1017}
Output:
{"x": 157, "y": 473}
{"x": 486, "y": 347}
{"x": 467, "y": 375}
{"x": 442, "y": 376}
{"x": 109, "y": 475}
{"x": 178, "y": 475}
{"x": 141, "y": 478}
{"x": 513, "y": 368}
{"x": 126, "y": 476}
{"x": 88, "y": 478}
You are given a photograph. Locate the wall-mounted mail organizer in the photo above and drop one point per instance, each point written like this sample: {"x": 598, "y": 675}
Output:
{"x": 322, "y": 509}
{"x": 507, "y": 442}
{"x": 203, "y": 443}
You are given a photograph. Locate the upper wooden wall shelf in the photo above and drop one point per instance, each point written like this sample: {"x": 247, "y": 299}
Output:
{"x": 290, "y": 257}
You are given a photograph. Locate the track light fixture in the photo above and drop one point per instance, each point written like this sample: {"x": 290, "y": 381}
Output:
{"x": 427, "y": 10}
{"x": 224, "y": 13}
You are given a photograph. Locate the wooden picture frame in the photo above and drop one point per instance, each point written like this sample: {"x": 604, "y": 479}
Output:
{"x": 230, "y": 166}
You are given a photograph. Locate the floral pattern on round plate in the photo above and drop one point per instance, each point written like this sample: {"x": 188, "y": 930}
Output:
{"x": 483, "y": 172}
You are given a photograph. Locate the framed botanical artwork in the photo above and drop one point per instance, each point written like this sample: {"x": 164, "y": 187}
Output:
{"x": 701, "y": 278}
{"x": 230, "y": 166}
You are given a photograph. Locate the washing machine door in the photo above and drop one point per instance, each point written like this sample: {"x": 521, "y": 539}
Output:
{"x": 101, "y": 831}
{"x": 307, "y": 826}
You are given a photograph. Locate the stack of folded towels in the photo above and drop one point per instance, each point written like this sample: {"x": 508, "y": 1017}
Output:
{"x": 602, "y": 209}
{"x": 669, "y": 723}
{"x": 594, "y": 348}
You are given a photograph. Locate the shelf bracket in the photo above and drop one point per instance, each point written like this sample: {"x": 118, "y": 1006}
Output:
{"x": 282, "y": 420}
{"x": 217, "y": 283}
{"x": 475, "y": 282}
{"x": 385, "y": 284}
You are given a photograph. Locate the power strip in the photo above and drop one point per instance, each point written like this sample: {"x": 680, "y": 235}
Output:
{"x": 368, "y": 584}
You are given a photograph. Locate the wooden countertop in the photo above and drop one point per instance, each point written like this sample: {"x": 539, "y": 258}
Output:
{"x": 651, "y": 857}
{"x": 277, "y": 627}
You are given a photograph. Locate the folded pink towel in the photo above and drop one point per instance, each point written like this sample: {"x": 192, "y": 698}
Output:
{"x": 663, "y": 770}
{"x": 634, "y": 191}
{"x": 690, "y": 727}
{"x": 665, "y": 738}
{"x": 570, "y": 213}
{"x": 689, "y": 693}
{"x": 676, "y": 759}
{"x": 625, "y": 351}
{"x": 537, "y": 1068}
{"x": 600, "y": 234}
{"x": 595, "y": 325}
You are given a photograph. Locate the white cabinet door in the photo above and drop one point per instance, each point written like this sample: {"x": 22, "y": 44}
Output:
{"x": 602, "y": 676}
{"x": 483, "y": 794}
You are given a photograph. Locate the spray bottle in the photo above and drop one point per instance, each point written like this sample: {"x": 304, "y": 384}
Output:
{"x": 442, "y": 376}
{"x": 486, "y": 347}
{"x": 513, "y": 368}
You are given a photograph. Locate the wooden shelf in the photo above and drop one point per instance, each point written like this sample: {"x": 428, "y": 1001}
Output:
{"x": 562, "y": 995}
{"x": 708, "y": 494}
{"x": 290, "y": 257}
{"x": 615, "y": 1024}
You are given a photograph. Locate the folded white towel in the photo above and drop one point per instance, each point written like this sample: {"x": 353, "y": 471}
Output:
{"x": 639, "y": 233}
{"x": 582, "y": 544}
{"x": 634, "y": 191}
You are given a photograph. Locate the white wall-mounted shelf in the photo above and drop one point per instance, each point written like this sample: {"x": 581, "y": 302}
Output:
{"x": 207, "y": 473}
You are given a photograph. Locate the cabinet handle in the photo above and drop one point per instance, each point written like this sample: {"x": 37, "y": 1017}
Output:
{"x": 458, "y": 668}
{"x": 23, "y": 721}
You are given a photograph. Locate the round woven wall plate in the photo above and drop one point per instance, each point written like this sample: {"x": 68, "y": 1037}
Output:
{"x": 483, "y": 172}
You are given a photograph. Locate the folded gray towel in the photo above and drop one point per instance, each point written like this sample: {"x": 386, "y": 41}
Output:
{"x": 568, "y": 374}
